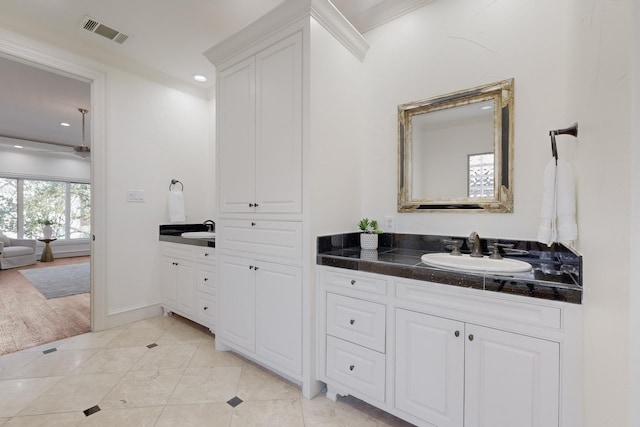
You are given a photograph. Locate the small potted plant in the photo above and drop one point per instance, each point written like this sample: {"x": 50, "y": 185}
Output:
{"x": 47, "y": 231}
{"x": 369, "y": 235}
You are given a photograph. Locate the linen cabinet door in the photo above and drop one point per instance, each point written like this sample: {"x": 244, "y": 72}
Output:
{"x": 511, "y": 379}
{"x": 236, "y": 137}
{"x": 279, "y": 315}
{"x": 237, "y": 301}
{"x": 429, "y": 381}
{"x": 279, "y": 127}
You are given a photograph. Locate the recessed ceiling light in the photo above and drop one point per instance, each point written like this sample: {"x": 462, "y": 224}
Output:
{"x": 18, "y": 146}
{"x": 199, "y": 78}
{"x": 65, "y": 124}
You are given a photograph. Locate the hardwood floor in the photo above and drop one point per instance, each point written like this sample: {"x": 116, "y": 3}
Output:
{"x": 28, "y": 319}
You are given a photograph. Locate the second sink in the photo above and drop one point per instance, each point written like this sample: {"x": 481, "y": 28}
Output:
{"x": 467, "y": 263}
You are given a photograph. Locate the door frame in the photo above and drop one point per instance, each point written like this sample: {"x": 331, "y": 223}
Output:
{"x": 69, "y": 65}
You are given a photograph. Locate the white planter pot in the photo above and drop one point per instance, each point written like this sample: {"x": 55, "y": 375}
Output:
{"x": 47, "y": 231}
{"x": 368, "y": 241}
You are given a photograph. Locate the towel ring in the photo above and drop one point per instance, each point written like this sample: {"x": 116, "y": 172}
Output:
{"x": 571, "y": 130}
{"x": 174, "y": 182}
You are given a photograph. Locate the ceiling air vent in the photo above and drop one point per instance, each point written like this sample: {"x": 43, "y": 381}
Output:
{"x": 90, "y": 24}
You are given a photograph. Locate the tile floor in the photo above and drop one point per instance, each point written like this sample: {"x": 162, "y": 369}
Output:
{"x": 158, "y": 372}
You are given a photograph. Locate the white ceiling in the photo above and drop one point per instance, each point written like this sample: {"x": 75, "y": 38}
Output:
{"x": 167, "y": 39}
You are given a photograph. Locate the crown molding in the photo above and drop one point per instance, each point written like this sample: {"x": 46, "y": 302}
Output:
{"x": 288, "y": 13}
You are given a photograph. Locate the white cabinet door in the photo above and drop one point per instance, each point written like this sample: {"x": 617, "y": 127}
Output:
{"x": 279, "y": 127}
{"x": 279, "y": 315}
{"x": 168, "y": 281}
{"x": 236, "y": 137}
{"x": 430, "y": 368}
{"x": 511, "y": 379}
{"x": 237, "y": 305}
{"x": 185, "y": 287}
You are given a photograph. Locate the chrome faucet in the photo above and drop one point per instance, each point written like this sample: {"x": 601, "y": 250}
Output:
{"x": 475, "y": 245}
{"x": 211, "y": 225}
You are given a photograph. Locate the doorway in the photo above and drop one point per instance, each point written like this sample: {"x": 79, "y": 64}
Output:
{"x": 96, "y": 82}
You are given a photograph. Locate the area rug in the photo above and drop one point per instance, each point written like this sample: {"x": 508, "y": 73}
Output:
{"x": 62, "y": 281}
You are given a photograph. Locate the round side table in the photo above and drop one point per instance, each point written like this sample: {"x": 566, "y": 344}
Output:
{"x": 47, "y": 255}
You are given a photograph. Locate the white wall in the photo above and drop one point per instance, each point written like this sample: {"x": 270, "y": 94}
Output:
{"x": 599, "y": 93}
{"x": 570, "y": 63}
{"x": 154, "y": 134}
{"x": 453, "y": 45}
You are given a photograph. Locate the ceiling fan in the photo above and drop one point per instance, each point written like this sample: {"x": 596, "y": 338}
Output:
{"x": 82, "y": 150}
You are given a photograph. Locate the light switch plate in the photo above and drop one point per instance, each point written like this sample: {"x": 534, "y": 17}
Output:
{"x": 135, "y": 196}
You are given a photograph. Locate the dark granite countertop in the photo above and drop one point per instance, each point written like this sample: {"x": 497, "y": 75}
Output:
{"x": 172, "y": 233}
{"x": 556, "y": 273}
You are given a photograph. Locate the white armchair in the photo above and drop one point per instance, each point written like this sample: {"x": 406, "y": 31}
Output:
{"x": 18, "y": 253}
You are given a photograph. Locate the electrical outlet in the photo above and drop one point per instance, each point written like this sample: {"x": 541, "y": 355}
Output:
{"x": 135, "y": 196}
{"x": 389, "y": 223}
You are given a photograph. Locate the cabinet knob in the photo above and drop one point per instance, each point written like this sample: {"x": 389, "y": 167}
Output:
{"x": 175, "y": 263}
{"x": 470, "y": 337}
{"x": 255, "y": 268}
{"x": 353, "y": 282}
{"x": 206, "y": 254}
{"x": 206, "y": 308}
{"x": 352, "y": 321}
{"x": 251, "y": 267}
{"x": 457, "y": 333}
{"x": 206, "y": 279}
{"x": 256, "y": 205}
{"x": 250, "y": 205}
{"x": 351, "y": 368}
{"x": 253, "y": 224}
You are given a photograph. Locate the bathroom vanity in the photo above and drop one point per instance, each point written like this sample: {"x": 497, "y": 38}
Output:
{"x": 447, "y": 348}
{"x": 188, "y": 274}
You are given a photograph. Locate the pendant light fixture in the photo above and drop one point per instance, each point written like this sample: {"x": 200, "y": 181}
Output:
{"x": 82, "y": 150}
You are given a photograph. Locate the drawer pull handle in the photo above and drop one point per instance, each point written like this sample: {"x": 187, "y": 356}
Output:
{"x": 470, "y": 337}
{"x": 351, "y": 367}
{"x": 353, "y": 282}
{"x": 457, "y": 333}
{"x": 352, "y": 321}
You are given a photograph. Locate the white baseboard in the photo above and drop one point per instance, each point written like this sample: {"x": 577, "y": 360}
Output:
{"x": 133, "y": 314}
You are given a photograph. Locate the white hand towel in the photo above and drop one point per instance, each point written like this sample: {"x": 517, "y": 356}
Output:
{"x": 558, "y": 214}
{"x": 176, "y": 207}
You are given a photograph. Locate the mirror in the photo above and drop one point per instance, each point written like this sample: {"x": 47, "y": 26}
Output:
{"x": 456, "y": 151}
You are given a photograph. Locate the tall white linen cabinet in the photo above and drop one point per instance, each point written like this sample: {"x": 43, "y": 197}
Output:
{"x": 288, "y": 147}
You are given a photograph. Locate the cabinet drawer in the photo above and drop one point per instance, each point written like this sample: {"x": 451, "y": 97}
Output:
{"x": 205, "y": 255}
{"x": 358, "y": 321}
{"x": 206, "y": 310}
{"x": 356, "y": 367}
{"x": 350, "y": 280}
{"x": 206, "y": 280}
{"x": 274, "y": 238}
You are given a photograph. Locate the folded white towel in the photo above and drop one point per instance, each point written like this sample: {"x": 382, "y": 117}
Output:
{"x": 176, "y": 207}
{"x": 558, "y": 214}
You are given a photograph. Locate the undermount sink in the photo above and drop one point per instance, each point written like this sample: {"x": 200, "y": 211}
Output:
{"x": 467, "y": 263}
{"x": 198, "y": 235}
